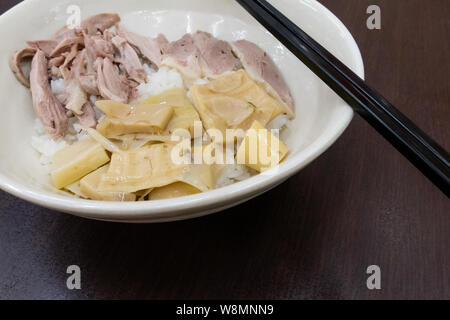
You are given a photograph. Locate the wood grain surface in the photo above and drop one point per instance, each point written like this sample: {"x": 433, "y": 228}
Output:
{"x": 313, "y": 237}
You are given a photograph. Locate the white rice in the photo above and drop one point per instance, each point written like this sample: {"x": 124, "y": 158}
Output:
{"x": 58, "y": 86}
{"x": 159, "y": 81}
{"x": 45, "y": 145}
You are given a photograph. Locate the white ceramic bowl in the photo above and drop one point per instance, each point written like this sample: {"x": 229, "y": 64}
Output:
{"x": 321, "y": 115}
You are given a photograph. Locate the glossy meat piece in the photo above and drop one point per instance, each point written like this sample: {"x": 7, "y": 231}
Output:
{"x": 184, "y": 56}
{"x": 216, "y": 55}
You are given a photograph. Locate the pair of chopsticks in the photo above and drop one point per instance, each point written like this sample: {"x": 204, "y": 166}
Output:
{"x": 430, "y": 158}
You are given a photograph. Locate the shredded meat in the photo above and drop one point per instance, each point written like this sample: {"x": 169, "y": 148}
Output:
{"x": 111, "y": 83}
{"x": 65, "y": 33}
{"x": 99, "y": 23}
{"x": 130, "y": 60}
{"x": 98, "y": 47}
{"x": 47, "y": 46}
{"x": 87, "y": 119}
{"x": 48, "y": 108}
{"x": 151, "y": 49}
{"x": 15, "y": 64}
{"x": 66, "y": 45}
{"x": 89, "y": 84}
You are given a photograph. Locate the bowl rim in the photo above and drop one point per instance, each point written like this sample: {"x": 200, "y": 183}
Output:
{"x": 204, "y": 203}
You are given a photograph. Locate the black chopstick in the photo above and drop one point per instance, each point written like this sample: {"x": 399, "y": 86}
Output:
{"x": 430, "y": 158}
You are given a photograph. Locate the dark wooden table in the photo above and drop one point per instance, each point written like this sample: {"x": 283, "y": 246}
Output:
{"x": 313, "y": 237}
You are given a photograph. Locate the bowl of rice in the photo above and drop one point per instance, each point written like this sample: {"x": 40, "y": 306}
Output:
{"x": 28, "y": 149}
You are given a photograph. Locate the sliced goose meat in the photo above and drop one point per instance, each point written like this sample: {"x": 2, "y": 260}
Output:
{"x": 87, "y": 119}
{"x": 54, "y": 65}
{"x": 130, "y": 60}
{"x": 56, "y": 62}
{"x": 162, "y": 42}
{"x": 65, "y": 33}
{"x": 216, "y": 55}
{"x": 79, "y": 63}
{"x": 184, "y": 56}
{"x": 77, "y": 97}
{"x": 97, "y": 63}
{"x": 69, "y": 57}
{"x": 98, "y": 47}
{"x": 47, "y": 46}
{"x": 15, "y": 63}
{"x": 262, "y": 68}
{"x": 109, "y": 35}
{"x": 151, "y": 49}
{"x": 66, "y": 45}
{"x": 87, "y": 75}
{"x": 62, "y": 97}
{"x": 111, "y": 83}
{"x": 63, "y": 72}
{"x": 55, "y": 72}
{"x": 48, "y": 108}
{"x": 134, "y": 94}
{"x": 99, "y": 23}
{"x": 89, "y": 84}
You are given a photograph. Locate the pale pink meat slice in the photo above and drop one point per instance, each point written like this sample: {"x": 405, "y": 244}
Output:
{"x": 111, "y": 83}
{"x": 88, "y": 118}
{"x": 89, "y": 84}
{"x": 98, "y": 46}
{"x": 69, "y": 57}
{"x": 99, "y": 23}
{"x": 217, "y": 56}
{"x": 65, "y": 33}
{"x": 47, "y": 46}
{"x": 57, "y": 61}
{"x": 66, "y": 45}
{"x": 15, "y": 63}
{"x": 48, "y": 108}
{"x": 184, "y": 56}
{"x": 76, "y": 95}
{"x": 149, "y": 48}
{"x": 130, "y": 60}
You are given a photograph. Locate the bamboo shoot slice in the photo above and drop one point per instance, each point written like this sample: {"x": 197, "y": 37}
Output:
{"x": 89, "y": 186}
{"x": 184, "y": 115}
{"x": 144, "y": 168}
{"x": 199, "y": 176}
{"x": 261, "y": 150}
{"x": 234, "y": 101}
{"x": 126, "y": 119}
{"x": 174, "y": 190}
{"x": 75, "y": 189}
{"x": 76, "y": 161}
